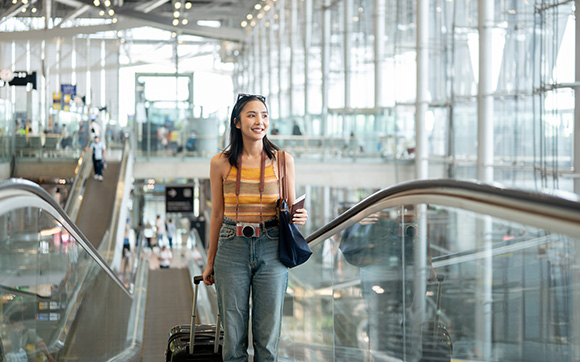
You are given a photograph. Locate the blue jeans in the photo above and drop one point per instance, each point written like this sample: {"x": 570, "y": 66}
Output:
{"x": 243, "y": 264}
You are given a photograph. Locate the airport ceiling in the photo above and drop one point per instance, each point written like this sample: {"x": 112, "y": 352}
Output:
{"x": 214, "y": 19}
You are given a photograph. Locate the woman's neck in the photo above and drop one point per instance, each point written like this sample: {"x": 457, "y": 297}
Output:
{"x": 253, "y": 151}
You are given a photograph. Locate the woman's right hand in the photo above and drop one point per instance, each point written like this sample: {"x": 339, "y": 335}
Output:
{"x": 208, "y": 276}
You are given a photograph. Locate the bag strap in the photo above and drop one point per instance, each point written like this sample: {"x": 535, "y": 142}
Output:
{"x": 282, "y": 181}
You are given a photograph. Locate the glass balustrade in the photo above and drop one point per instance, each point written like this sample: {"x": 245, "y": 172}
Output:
{"x": 57, "y": 302}
{"x": 433, "y": 282}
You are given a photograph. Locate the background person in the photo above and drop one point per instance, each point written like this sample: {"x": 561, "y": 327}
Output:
{"x": 165, "y": 256}
{"x": 98, "y": 149}
{"x": 242, "y": 262}
{"x": 24, "y": 339}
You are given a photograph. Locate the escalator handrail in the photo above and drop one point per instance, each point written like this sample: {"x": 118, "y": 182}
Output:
{"x": 23, "y": 186}
{"x": 567, "y": 205}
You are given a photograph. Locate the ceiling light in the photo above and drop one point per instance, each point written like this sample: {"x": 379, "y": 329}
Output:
{"x": 23, "y": 10}
{"x": 188, "y": 6}
{"x": 267, "y": 7}
{"x": 174, "y": 34}
{"x": 260, "y": 16}
{"x": 176, "y": 14}
{"x": 115, "y": 20}
{"x": 102, "y": 12}
{"x": 175, "y": 22}
{"x": 249, "y": 16}
{"x": 111, "y": 12}
{"x": 253, "y": 23}
{"x": 34, "y": 10}
{"x": 14, "y": 1}
{"x": 107, "y": 3}
{"x": 184, "y": 21}
{"x": 25, "y": 2}
{"x": 97, "y": 3}
{"x": 244, "y": 24}
{"x": 178, "y": 5}
{"x": 257, "y": 6}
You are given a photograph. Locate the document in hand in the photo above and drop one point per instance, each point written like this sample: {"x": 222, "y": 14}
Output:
{"x": 298, "y": 204}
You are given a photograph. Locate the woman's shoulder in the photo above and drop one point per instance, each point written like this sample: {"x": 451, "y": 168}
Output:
{"x": 287, "y": 155}
{"x": 220, "y": 162}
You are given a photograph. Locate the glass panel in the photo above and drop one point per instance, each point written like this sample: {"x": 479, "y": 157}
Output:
{"x": 369, "y": 292}
{"x": 57, "y": 302}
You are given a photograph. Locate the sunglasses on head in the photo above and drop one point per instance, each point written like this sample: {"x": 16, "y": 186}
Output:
{"x": 246, "y": 95}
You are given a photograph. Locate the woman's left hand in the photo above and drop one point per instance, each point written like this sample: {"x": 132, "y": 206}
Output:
{"x": 300, "y": 217}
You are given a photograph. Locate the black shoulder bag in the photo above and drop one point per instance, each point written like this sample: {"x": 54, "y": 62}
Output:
{"x": 293, "y": 249}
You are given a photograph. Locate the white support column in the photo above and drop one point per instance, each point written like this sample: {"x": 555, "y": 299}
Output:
{"x": 261, "y": 58}
{"x": 271, "y": 65}
{"x": 293, "y": 41}
{"x": 483, "y": 312}
{"x": 88, "y": 72}
{"x": 81, "y": 67}
{"x": 379, "y": 17}
{"x": 422, "y": 102}
{"x": 281, "y": 29}
{"x": 112, "y": 67}
{"x": 576, "y": 290}
{"x": 346, "y": 55}
{"x": 307, "y": 45}
{"x": 577, "y": 107}
{"x": 255, "y": 62}
{"x": 485, "y": 94}
{"x": 325, "y": 57}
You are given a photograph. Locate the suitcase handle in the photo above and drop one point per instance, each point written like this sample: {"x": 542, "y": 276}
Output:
{"x": 196, "y": 280}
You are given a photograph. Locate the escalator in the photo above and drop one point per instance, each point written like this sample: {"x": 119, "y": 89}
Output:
{"x": 509, "y": 259}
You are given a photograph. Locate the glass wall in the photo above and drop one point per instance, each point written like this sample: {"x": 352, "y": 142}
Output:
{"x": 51, "y": 289}
{"x": 482, "y": 288}
{"x": 6, "y": 129}
{"x": 353, "y": 62}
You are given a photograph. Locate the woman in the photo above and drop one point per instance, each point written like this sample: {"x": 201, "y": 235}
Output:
{"x": 244, "y": 234}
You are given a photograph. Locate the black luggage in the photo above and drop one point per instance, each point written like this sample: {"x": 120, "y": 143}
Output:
{"x": 202, "y": 343}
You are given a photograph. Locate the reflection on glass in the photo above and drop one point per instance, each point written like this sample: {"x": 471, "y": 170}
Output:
{"x": 359, "y": 298}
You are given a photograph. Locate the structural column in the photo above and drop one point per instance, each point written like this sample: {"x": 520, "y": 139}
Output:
{"x": 325, "y": 56}
{"x": 577, "y": 105}
{"x": 281, "y": 30}
{"x": 576, "y": 290}
{"x": 347, "y": 50}
{"x": 380, "y": 12}
{"x": 485, "y": 156}
{"x": 307, "y": 45}
{"x": 293, "y": 38}
{"x": 421, "y": 167}
{"x": 271, "y": 65}
{"x": 422, "y": 101}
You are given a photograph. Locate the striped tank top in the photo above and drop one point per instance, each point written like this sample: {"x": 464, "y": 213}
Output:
{"x": 249, "y": 199}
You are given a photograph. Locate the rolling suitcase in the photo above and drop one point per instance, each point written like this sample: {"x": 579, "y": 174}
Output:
{"x": 200, "y": 343}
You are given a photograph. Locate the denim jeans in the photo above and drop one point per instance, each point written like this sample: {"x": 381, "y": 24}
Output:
{"x": 243, "y": 264}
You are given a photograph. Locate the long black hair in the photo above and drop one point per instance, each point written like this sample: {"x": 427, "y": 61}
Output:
{"x": 234, "y": 149}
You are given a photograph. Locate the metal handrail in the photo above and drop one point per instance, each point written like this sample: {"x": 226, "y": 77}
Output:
{"x": 21, "y": 187}
{"x": 560, "y": 211}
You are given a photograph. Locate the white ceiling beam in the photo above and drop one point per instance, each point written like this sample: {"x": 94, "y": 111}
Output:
{"x": 13, "y": 10}
{"x": 72, "y": 3}
{"x": 150, "y": 5}
{"x": 73, "y": 15}
{"x": 232, "y": 34}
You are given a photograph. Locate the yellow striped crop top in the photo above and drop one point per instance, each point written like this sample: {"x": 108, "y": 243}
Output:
{"x": 249, "y": 199}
